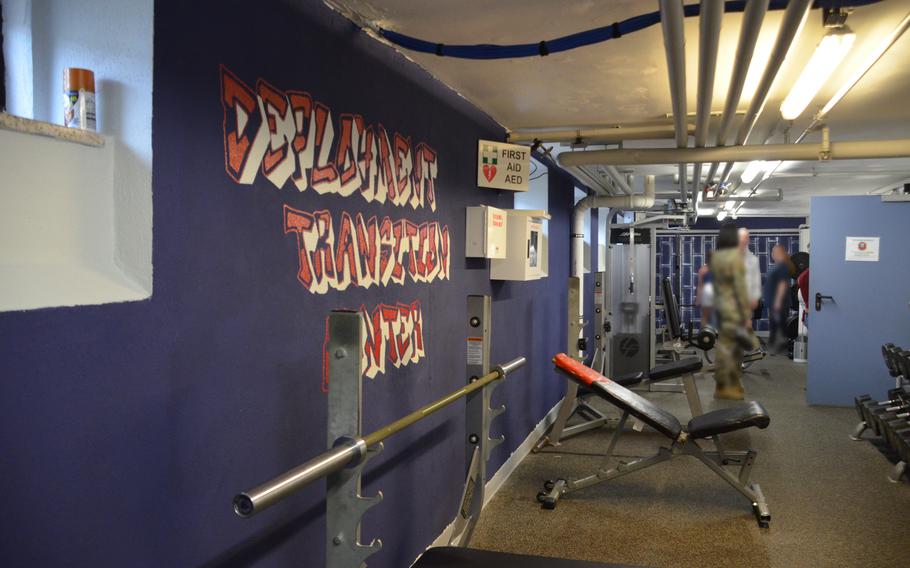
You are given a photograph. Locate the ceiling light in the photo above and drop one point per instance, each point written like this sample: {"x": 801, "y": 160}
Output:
{"x": 721, "y": 215}
{"x": 729, "y": 205}
{"x": 870, "y": 60}
{"x": 830, "y": 51}
{"x": 752, "y": 169}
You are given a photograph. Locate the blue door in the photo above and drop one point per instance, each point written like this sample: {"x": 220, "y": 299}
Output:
{"x": 871, "y": 299}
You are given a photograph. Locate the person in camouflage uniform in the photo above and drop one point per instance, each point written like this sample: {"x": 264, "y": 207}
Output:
{"x": 734, "y": 313}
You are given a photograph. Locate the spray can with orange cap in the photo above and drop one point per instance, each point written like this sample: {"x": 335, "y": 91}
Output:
{"x": 79, "y": 98}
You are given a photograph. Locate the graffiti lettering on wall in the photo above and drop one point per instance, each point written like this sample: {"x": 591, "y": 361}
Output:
{"x": 393, "y": 334}
{"x": 286, "y": 135}
{"x": 366, "y": 252}
{"x": 289, "y": 137}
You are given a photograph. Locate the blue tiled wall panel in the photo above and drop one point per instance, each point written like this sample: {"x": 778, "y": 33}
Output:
{"x": 683, "y": 270}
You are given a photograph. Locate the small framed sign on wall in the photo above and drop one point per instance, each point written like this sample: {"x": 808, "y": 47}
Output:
{"x": 862, "y": 249}
{"x": 502, "y": 166}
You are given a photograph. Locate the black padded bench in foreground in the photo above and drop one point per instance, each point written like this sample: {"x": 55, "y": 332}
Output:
{"x": 684, "y": 439}
{"x": 450, "y": 557}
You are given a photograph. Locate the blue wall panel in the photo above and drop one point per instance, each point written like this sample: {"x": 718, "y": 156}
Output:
{"x": 130, "y": 426}
{"x": 683, "y": 270}
{"x": 871, "y": 299}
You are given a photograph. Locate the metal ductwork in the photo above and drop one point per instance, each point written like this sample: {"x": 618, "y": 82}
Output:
{"x": 636, "y": 202}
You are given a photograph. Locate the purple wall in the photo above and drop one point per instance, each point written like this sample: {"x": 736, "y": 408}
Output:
{"x": 127, "y": 428}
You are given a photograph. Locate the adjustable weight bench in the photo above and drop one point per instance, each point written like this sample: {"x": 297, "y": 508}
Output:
{"x": 683, "y": 439}
{"x": 683, "y": 368}
{"x": 574, "y": 402}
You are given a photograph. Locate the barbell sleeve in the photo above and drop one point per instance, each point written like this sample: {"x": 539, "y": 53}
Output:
{"x": 512, "y": 365}
{"x": 263, "y": 496}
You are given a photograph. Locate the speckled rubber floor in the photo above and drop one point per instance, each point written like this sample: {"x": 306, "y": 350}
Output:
{"x": 830, "y": 500}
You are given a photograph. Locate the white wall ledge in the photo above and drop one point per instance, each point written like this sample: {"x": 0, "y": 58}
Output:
{"x": 60, "y": 244}
{"x": 41, "y": 128}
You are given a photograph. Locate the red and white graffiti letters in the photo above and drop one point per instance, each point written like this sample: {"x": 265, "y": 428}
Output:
{"x": 287, "y": 135}
{"x": 365, "y": 252}
{"x": 393, "y": 334}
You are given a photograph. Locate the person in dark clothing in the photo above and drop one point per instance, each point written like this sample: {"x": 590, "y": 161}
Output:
{"x": 775, "y": 293}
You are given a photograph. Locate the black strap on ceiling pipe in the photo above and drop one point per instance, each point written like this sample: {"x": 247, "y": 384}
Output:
{"x": 580, "y": 39}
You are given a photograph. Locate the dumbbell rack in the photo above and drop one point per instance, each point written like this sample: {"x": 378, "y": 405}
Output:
{"x": 890, "y": 419}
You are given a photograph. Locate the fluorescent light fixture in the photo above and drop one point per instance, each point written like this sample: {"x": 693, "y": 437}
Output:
{"x": 829, "y": 53}
{"x": 729, "y": 205}
{"x": 870, "y": 60}
{"x": 752, "y": 170}
{"x": 722, "y": 214}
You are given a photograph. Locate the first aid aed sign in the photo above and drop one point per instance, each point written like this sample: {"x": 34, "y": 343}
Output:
{"x": 502, "y": 166}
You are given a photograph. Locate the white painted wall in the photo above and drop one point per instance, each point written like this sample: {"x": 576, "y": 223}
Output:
{"x": 57, "y": 225}
{"x": 114, "y": 39}
{"x": 17, "y": 53}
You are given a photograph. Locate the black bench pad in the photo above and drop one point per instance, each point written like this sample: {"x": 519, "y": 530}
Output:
{"x": 619, "y": 396}
{"x": 729, "y": 419}
{"x": 450, "y": 557}
{"x": 629, "y": 379}
{"x": 675, "y": 369}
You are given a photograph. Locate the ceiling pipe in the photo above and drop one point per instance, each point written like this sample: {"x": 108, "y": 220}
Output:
{"x": 710, "y": 18}
{"x": 604, "y": 135}
{"x": 671, "y": 21}
{"x": 753, "y": 17}
{"x": 774, "y": 195}
{"x": 848, "y": 150}
{"x": 582, "y": 175}
{"x": 618, "y": 180}
{"x": 819, "y": 118}
{"x": 636, "y": 202}
{"x": 794, "y": 17}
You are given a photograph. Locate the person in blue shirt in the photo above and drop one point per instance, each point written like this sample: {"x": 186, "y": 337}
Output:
{"x": 775, "y": 293}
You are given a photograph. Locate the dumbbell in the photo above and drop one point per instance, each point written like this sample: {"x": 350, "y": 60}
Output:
{"x": 892, "y": 420}
{"x": 888, "y": 353}
{"x": 871, "y": 411}
{"x": 878, "y": 416}
{"x": 896, "y": 397}
{"x": 896, "y": 426}
{"x": 897, "y": 433}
